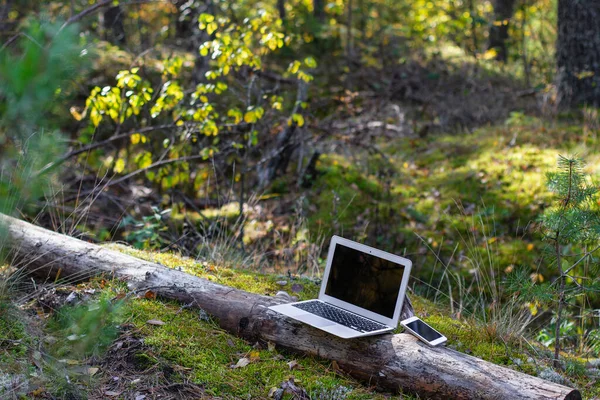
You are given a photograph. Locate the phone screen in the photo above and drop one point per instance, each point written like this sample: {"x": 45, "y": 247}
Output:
{"x": 423, "y": 330}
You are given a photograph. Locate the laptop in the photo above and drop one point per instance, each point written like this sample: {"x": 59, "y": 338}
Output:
{"x": 361, "y": 294}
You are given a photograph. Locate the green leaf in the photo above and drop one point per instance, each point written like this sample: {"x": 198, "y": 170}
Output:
{"x": 310, "y": 62}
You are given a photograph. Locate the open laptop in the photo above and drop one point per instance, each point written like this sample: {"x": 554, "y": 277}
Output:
{"x": 361, "y": 294}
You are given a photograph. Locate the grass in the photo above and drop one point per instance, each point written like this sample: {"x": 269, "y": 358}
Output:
{"x": 202, "y": 353}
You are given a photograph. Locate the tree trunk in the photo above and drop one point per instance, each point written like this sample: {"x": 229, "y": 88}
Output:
{"x": 503, "y": 11}
{"x": 578, "y": 52}
{"x": 394, "y": 362}
{"x": 319, "y": 10}
{"x": 281, "y": 9}
{"x": 279, "y": 158}
{"x": 113, "y": 25}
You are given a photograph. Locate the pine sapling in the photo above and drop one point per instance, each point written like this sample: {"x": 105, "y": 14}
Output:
{"x": 571, "y": 221}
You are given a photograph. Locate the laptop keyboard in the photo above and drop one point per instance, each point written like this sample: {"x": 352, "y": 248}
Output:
{"x": 340, "y": 316}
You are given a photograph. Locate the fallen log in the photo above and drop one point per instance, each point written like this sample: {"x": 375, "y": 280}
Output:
{"x": 394, "y": 362}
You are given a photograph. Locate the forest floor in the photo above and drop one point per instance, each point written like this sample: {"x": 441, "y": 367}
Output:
{"x": 131, "y": 347}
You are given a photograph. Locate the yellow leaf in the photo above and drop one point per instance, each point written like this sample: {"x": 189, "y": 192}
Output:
{"x": 298, "y": 119}
{"x": 119, "y": 166}
{"x": 533, "y": 308}
{"x": 490, "y": 54}
{"x": 250, "y": 117}
{"x": 211, "y": 27}
{"x": 530, "y": 247}
{"x": 135, "y": 138}
{"x": 294, "y": 67}
{"x": 95, "y": 117}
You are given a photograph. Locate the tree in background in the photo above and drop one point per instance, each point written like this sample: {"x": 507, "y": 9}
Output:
{"x": 578, "y": 52}
{"x": 503, "y": 11}
{"x": 114, "y": 29}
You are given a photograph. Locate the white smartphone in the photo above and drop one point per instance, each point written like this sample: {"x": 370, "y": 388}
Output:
{"x": 423, "y": 331}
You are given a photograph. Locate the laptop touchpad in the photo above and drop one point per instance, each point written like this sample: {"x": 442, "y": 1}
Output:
{"x": 313, "y": 320}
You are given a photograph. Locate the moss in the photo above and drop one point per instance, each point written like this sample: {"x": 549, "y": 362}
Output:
{"x": 209, "y": 353}
{"x": 247, "y": 280}
{"x": 340, "y": 193}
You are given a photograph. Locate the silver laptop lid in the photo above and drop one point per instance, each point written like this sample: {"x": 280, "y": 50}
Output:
{"x": 365, "y": 280}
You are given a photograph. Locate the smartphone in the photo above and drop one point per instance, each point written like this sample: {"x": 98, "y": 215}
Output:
{"x": 423, "y": 331}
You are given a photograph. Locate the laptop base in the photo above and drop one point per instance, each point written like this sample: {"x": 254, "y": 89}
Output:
{"x": 322, "y": 323}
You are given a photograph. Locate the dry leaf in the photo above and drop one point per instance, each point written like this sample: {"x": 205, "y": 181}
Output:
{"x": 281, "y": 283}
{"x": 92, "y": 371}
{"x": 335, "y": 366}
{"x": 272, "y": 391}
{"x": 297, "y": 392}
{"x": 293, "y": 364}
{"x": 111, "y": 393}
{"x": 271, "y": 346}
{"x": 242, "y": 362}
{"x": 150, "y": 295}
{"x": 297, "y": 288}
{"x": 155, "y": 322}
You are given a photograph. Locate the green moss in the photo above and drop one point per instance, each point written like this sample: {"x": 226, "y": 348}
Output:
{"x": 250, "y": 281}
{"x": 340, "y": 194}
{"x": 209, "y": 352}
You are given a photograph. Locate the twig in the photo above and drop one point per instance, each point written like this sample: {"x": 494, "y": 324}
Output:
{"x": 87, "y": 11}
{"x": 101, "y": 144}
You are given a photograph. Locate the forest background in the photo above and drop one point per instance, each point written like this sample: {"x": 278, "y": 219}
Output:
{"x": 243, "y": 134}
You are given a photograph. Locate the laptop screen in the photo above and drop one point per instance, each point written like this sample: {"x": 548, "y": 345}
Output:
{"x": 364, "y": 280}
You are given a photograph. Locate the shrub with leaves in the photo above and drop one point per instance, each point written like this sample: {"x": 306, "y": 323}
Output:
{"x": 169, "y": 126}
